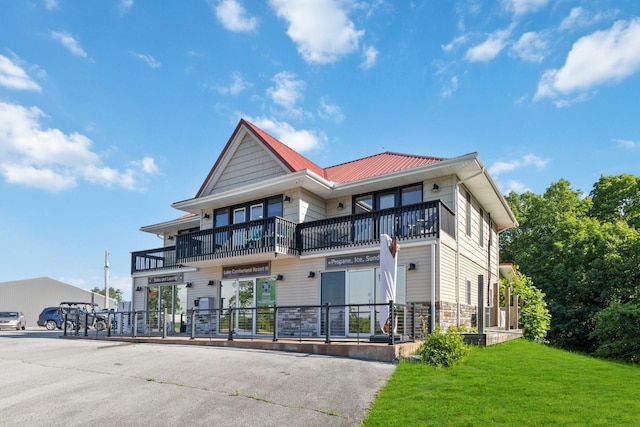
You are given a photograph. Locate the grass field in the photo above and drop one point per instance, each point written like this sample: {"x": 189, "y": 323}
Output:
{"x": 517, "y": 383}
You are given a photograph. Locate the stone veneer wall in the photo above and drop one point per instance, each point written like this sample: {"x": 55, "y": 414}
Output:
{"x": 298, "y": 322}
{"x": 446, "y": 315}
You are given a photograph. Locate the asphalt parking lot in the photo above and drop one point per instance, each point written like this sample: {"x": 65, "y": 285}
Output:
{"x": 47, "y": 380}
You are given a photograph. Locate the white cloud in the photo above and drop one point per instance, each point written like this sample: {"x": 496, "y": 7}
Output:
{"x": 328, "y": 111}
{"x": 627, "y": 144}
{"x": 531, "y": 47}
{"x": 370, "y": 57}
{"x": 237, "y": 86}
{"x": 51, "y": 160}
{"x": 147, "y": 59}
{"x": 12, "y": 76}
{"x": 287, "y": 91}
{"x": 233, "y": 16}
{"x": 125, "y": 5}
{"x": 522, "y": 7}
{"x": 490, "y": 48}
{"x": 450, "y": 88}
{"x": 515, "y": 186}
{"x": 320, "y": 29}
{"x": 299, "y": 140}
{"x": 454, "y": 43}
{"x": 602, "y": 57}
{"x": 528, "y": 160}
{"x": 51, "y": 4}
{"x": 69, "y": 42}
{"x": 580, "y": 18}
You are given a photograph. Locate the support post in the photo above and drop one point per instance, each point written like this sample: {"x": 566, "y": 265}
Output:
{"x": 480, "y": 315}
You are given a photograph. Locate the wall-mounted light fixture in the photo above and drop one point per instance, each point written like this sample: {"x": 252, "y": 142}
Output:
{"x": 312, "y": 274}
{"x": 435, "y": 188}
{"x": 171, "y": 237}
{"x": 412, "y": 266}
{"x": 287, "y": 198}
{"x": 139, "y": 288}
{"x": 211, "y": 282}
{"x": 189, "y": 284}
{"x": 279, "y": 277}
{"x": 340, "y": 205}
{"x": 206, "y": 216}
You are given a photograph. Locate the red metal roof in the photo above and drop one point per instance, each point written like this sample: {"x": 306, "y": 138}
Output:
{"x": 377, "y": 164}
{"x": 354, "y": 170}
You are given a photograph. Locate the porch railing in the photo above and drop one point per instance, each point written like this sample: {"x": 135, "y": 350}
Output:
{"x": 269, "y": 235}
{"x": 419, "y": 221}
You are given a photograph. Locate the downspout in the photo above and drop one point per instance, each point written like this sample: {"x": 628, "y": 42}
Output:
{"x": 433, "y": 286}
{"x": 457, "y": 231}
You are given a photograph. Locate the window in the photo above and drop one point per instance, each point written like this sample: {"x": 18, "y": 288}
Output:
{"x": 389, "y": 198}
{"x": 255, "y": 212}
{"x": 274, "y": 207}
{"x": 238, "y": 215}
{"x": 221, "y": 217}
{"x": 411, "y": 195}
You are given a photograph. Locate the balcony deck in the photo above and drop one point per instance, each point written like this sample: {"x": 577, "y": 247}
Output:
{"x": 421, "y": 221}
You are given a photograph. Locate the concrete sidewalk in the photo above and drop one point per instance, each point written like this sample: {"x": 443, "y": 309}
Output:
{"x": 51, "y": 381}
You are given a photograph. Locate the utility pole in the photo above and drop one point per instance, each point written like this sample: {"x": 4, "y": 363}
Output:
{"x": 106, "y": 279}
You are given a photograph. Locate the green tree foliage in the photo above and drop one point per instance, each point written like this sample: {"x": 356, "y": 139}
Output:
{"x": 115, "y": 294}
{"x": 582, "y": 259}
{"x": 443, "y": 350}
{"x": 617, "y": 332}
{"x": 534, "y": 314}
{"x": 617, "y": 198}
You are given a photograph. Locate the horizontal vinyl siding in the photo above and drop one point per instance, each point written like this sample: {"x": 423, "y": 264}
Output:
{"x": 250, "y": 163}
{"x": 447, "y": 290}
{"x": 297, "y": 288}
{"x": 418, "y": 280}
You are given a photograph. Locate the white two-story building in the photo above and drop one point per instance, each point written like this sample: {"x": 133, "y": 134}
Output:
{"x": 272, "y": 241}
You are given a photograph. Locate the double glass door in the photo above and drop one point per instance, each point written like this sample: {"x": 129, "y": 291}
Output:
{"x": 247, "y": 305}
{"x": 170, "y": 297}
{"x": 354, "y": 294}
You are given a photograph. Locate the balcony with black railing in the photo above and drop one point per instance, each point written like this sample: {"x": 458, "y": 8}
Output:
{"x": 277, "y": 235}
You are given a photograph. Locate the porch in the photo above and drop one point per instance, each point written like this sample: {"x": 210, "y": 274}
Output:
{"x": 422, "y": 221}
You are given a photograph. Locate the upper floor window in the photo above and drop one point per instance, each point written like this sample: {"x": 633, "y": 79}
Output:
{"x": 481, "y": 227}
{"x": 468, "y": 213}
{"x": 256, "y": 209}
{"x": 385, "y": 199}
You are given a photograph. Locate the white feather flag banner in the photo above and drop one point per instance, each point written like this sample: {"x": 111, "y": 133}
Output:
{"x": 388, "y": 272}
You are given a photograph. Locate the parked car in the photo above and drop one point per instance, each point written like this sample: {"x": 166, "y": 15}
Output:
{"x": 52, "y": 318}
{"x": 12, "y": 320}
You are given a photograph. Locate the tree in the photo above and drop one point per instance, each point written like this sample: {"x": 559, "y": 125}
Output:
{"x": 617, "y": 198}
{"x": 115, "y": 294}
{"x": 579, "y": 259}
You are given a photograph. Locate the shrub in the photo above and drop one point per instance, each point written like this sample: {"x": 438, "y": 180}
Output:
{"x": 443, "y": 349}
{"x": 617, "y": 332}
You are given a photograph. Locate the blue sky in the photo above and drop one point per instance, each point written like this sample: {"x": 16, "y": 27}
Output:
{"x": 112, "y": 110}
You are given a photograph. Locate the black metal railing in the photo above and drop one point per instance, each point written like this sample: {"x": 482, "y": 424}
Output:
{"x": 278, "y": 235}
{"x": 327, "y": 323}
{"x": 154, "y": 259}
{"x": 419, "y": 221}
{"x": 258, "y": 236}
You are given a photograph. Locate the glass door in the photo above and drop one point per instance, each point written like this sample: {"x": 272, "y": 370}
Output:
{"x": 361, "y": 294}
{"x": 239, "y": 295}
{"x": 332, "y": 291}
{"x": 246, "y": 307}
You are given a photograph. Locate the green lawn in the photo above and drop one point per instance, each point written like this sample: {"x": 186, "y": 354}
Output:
{"x": 518, "y": 383}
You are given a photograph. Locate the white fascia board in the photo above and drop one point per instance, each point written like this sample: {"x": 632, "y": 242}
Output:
{"x": 180, "y": 223}
{"x": 303, "y": 179}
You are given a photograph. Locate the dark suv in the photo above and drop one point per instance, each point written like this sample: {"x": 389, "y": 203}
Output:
{"x": 52, "y": 318}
